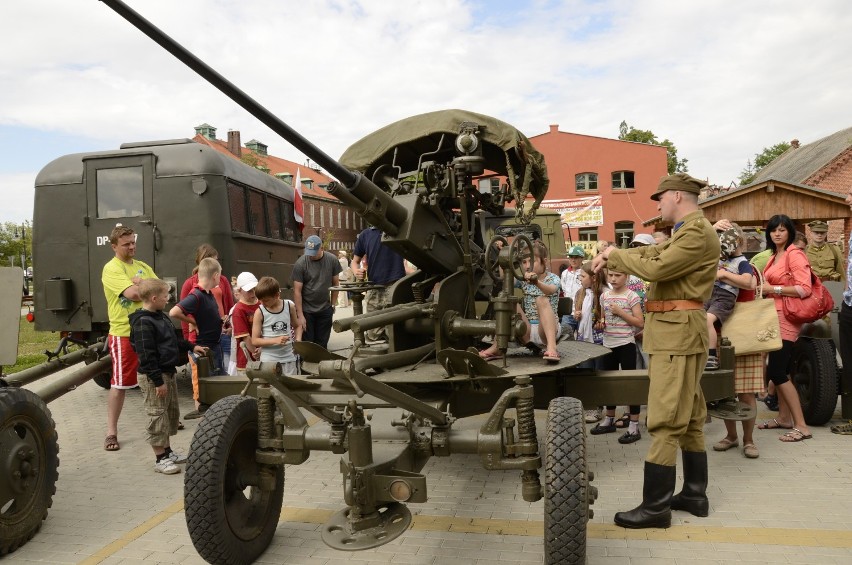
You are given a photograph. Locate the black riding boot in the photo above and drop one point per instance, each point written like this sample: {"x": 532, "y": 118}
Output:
{"x": 693, "y": 495}
{"x": 655, "y": 510}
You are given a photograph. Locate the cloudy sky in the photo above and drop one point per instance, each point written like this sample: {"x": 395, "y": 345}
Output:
{"x": 721, "y": 79}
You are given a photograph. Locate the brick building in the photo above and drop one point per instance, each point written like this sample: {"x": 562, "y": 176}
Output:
{"x": 614, "y": 179}
{"x": 325, "y": 216}
{"x": 806, "y": 182}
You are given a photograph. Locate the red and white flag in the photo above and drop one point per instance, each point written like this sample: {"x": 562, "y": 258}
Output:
{"x": 298, "y": 206}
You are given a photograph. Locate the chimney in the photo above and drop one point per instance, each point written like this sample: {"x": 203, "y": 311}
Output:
{"x": 794, "y": 144}
{"x": 234, "y": 145}
{"x": 554, "y": 128}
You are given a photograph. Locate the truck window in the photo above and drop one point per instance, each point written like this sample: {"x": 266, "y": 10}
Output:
{"x": 257, "y": 213}
{"x": 120, "y": 192}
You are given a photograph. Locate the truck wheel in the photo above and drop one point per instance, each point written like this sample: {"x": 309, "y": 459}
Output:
{"x": 814, "y": 372}
{"x": 29, "y": 457}
{"x": 567, "y": 493}
{"x": 103, "y": 380}
{"x": 231, "y": 520}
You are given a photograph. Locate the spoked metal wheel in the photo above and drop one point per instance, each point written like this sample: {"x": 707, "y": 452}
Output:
{"x": 232, "y": 503}
{"x": 567, "y": 493}
{"x": 29, "y": 457}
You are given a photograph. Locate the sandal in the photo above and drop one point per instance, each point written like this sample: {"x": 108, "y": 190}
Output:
{"x": 794, "y": 435}
{"x": 842, "y": 429}
{"x": 552, "y": 356}
{"x": 111, "y": 443}
{"x": 487, "y": 356}
{"x": 725, "y": 444}
{"x": 750, "y": 451}
{"x": 623, "y": 422}
{"x": 773, "y": 424}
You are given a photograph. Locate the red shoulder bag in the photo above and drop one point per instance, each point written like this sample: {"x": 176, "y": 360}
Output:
{"x": 810, "y": 308}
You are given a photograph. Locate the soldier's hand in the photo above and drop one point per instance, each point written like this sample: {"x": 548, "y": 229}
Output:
{"x": 162, "y": 390}
{"x": 598, "y": 262}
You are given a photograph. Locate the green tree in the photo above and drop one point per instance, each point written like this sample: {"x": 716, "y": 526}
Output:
{"x": 15, "y": 240}
{"x": 629, "y": 133}
{"x": 762, "y": 159}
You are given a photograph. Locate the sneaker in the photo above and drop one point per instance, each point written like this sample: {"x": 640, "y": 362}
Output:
{"x": 627, "y": 437}
{"x": 712, "y": 363}
{"x": 166, "y": 466}
{"x": 592, "y": 416}
{"x": 176, "y": 457}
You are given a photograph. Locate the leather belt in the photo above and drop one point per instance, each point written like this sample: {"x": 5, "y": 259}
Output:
{"x": 671, "y": 305}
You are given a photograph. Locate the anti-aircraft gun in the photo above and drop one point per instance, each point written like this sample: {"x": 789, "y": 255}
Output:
{"x": 386, "y": 409}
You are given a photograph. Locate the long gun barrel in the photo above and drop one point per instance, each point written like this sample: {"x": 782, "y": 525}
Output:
{"x": 368, "y": 199}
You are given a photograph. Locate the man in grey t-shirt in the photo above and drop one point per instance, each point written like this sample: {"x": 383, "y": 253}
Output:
{"x": 313, "y": 273}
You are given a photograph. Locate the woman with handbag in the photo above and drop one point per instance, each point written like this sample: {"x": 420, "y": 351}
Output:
{"x": 788, "y": 275}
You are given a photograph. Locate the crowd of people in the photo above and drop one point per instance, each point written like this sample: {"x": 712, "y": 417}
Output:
{"x": 688, "y": 284}
{"x": 227, "y": 322}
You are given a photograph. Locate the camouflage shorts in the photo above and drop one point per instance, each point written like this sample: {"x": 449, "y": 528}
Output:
{"x": 163, "y": 413}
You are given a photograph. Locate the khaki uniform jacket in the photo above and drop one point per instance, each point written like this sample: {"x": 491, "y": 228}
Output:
{"x": 682, "y": 268}
{"x": 825, "y": 261}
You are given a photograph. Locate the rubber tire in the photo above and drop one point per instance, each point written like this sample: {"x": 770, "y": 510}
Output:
{"x": 25, "y": 418}
{"x": 225, "y": 526}
{"x": 567, "y": 493}
{"x": 814, "y": 372}
{"x": 103, "y": 380}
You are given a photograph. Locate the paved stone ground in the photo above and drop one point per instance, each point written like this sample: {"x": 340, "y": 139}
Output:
{"x": 792, "y": 505}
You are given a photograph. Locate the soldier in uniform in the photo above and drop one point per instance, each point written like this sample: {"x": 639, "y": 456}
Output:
{"x": 681, "y": 271}
{"x": 825, "y": 258}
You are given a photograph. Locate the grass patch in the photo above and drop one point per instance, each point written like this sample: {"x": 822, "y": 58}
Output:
{"x": 31, "y": 347}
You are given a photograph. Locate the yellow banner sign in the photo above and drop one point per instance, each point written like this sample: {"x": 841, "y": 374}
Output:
{"x": 578, "y": 212}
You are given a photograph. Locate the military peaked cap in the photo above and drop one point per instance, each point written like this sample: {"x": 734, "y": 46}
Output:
{"x": 679, "y": 181}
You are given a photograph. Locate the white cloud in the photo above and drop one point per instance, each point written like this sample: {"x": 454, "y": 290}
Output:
{"x": 17, "y": 192}
{"x": 720, "y": 79}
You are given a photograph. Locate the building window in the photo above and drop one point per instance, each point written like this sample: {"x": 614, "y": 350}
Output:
{"x": 623, "y": 180}
{"x": 586, "y": 182}
{"x": 588, "y": 234}
{"x": 623, "y": 234}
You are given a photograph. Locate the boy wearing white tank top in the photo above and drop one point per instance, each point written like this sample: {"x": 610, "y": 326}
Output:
{"x": 273, "y": 329}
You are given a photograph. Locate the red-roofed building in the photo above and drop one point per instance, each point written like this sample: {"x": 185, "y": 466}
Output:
{"x": 616, "y": 178}
{"x": 324, "y": 215}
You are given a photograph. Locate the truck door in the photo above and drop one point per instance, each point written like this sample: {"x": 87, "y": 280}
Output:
{"x": 119, "y": 190}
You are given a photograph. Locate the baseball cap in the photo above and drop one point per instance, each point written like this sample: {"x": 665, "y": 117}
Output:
{"x": 576, "y": 251}
{"x": 312, "y": 245}
{"x": 644, "y": 239}
{"x": 246, "y": 281}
